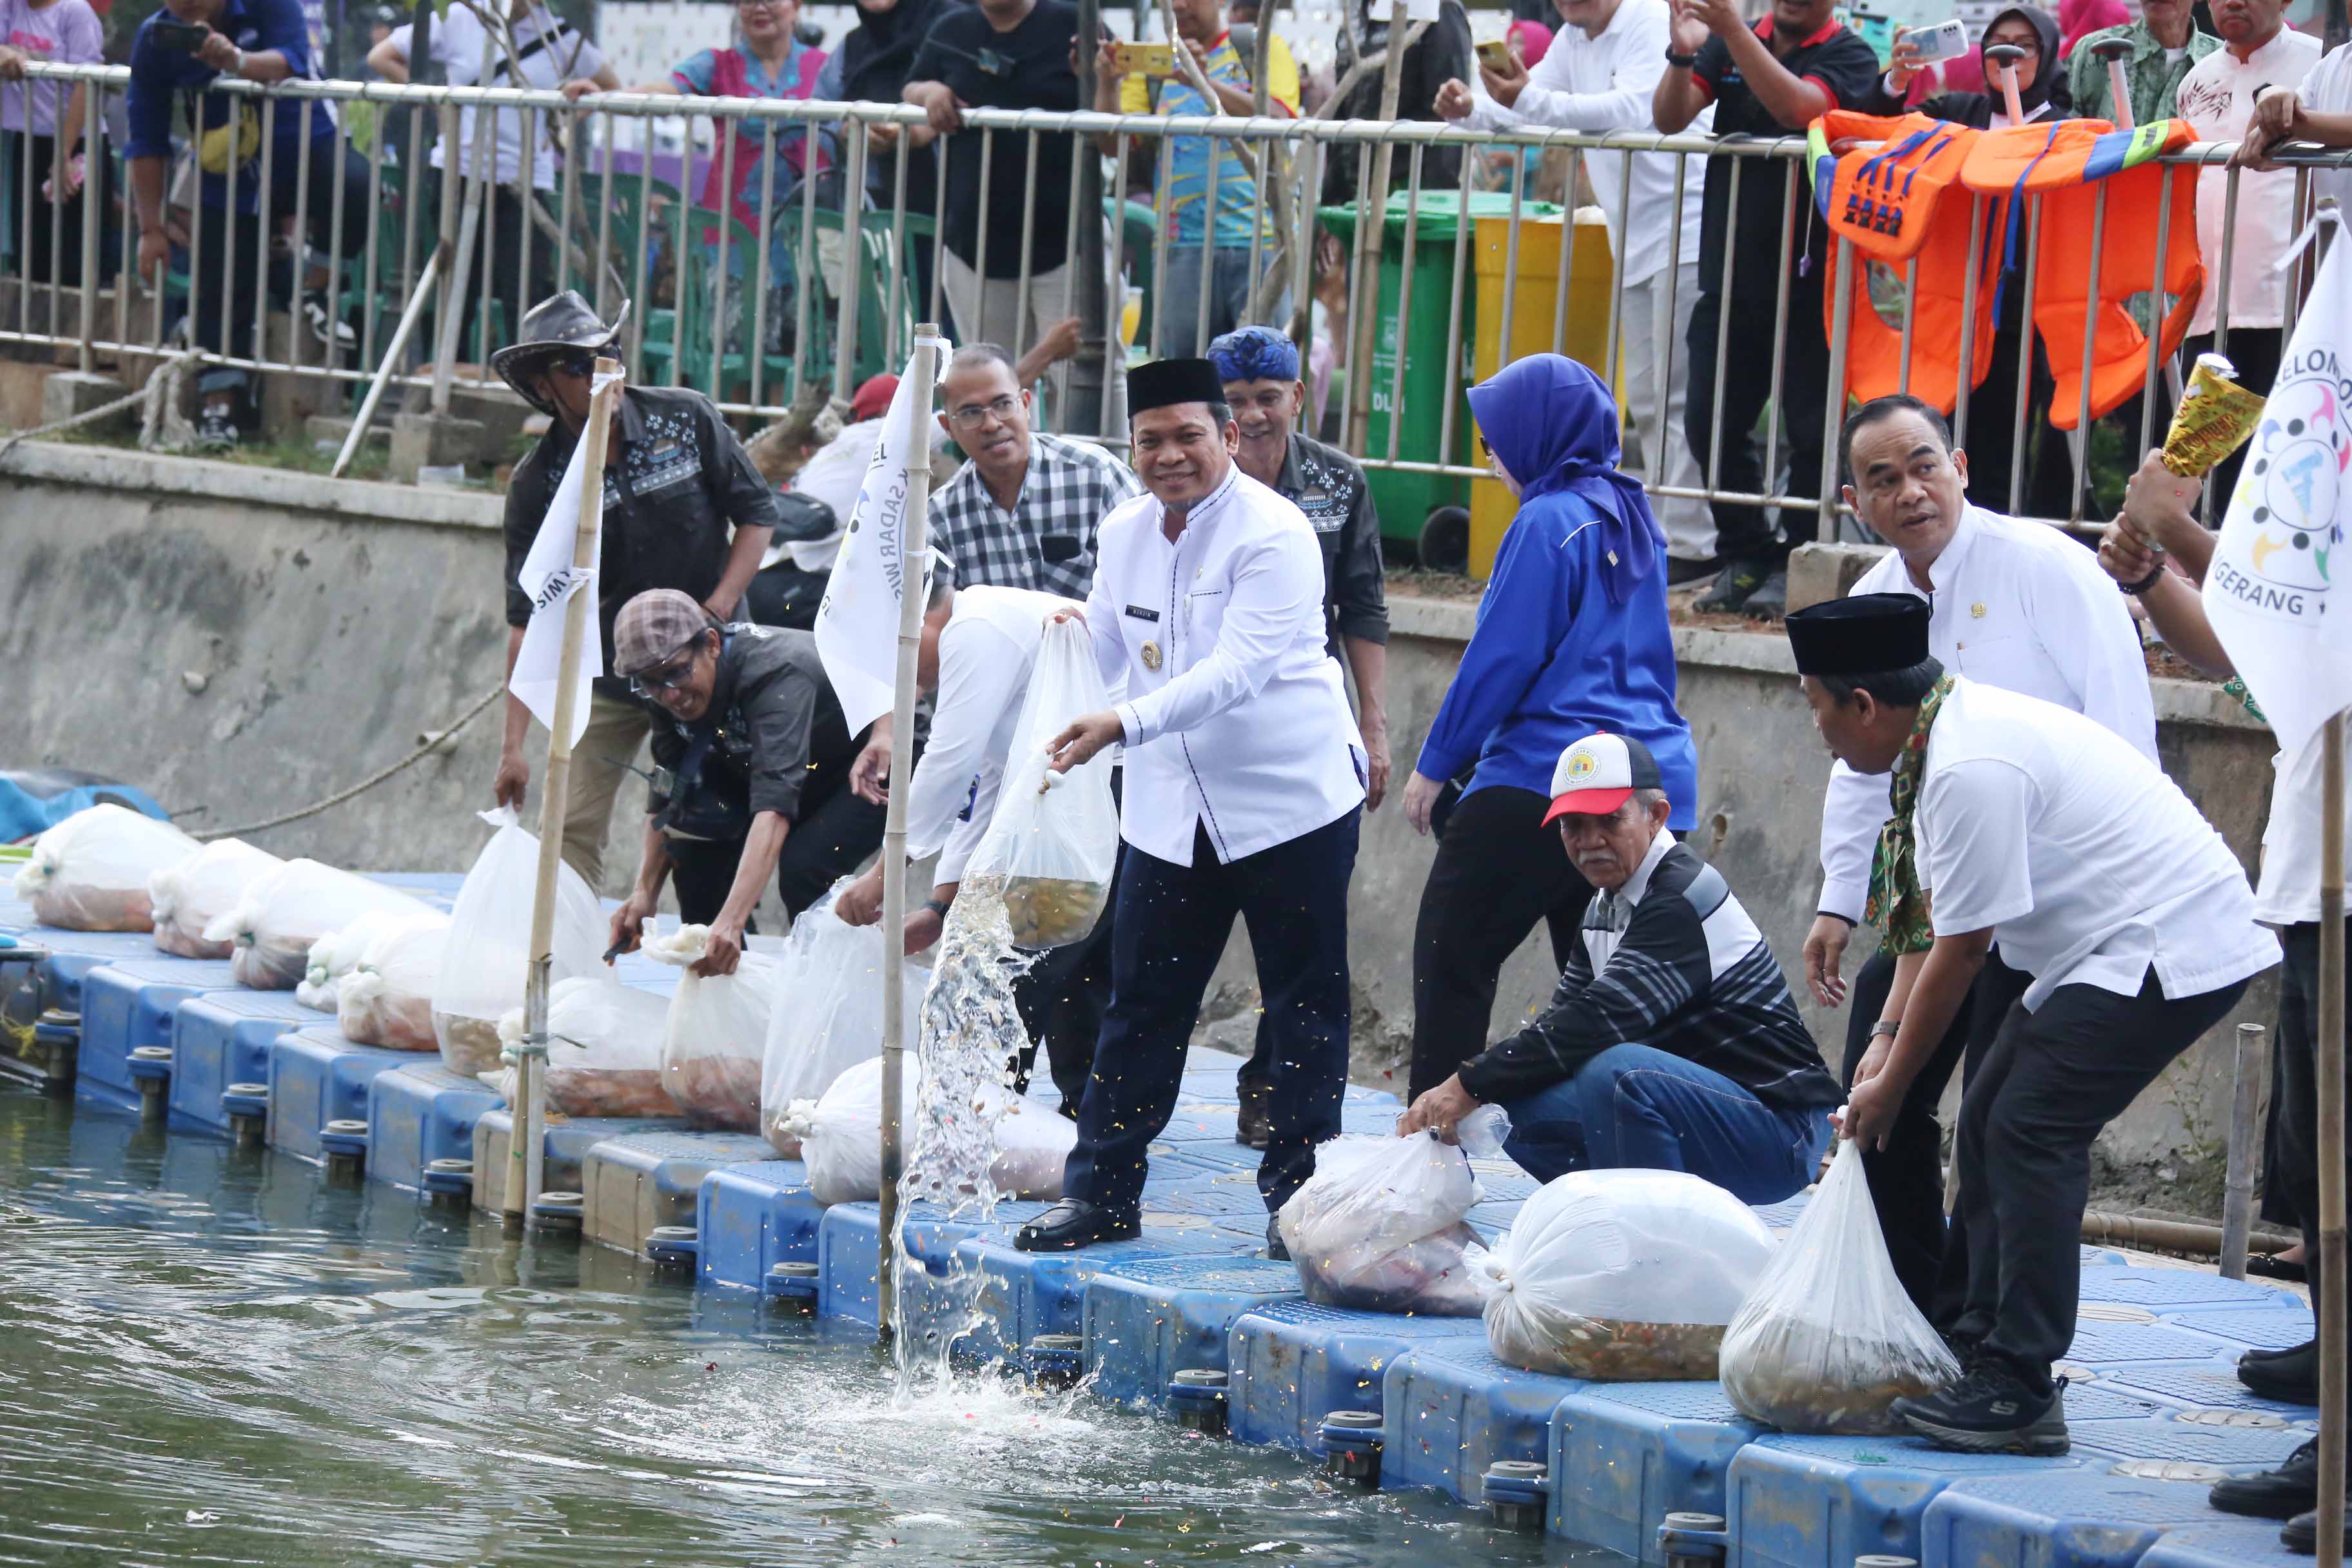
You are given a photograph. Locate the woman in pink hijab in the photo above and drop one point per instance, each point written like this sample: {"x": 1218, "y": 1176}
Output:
{"x": 2079, "y": 18}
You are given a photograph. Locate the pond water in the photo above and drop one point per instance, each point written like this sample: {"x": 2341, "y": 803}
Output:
{"x": 214, "y": 1357}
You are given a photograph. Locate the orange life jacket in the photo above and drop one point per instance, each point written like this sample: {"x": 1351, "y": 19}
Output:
{"x": 2066, "y": 166}
{"x": 1885, "y": 196}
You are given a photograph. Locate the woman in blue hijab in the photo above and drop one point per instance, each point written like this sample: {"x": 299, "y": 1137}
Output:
{"x": 1571, "y": 637}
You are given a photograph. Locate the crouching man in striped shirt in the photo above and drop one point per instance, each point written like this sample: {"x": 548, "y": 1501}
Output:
{"x": 1672, "y": 1043}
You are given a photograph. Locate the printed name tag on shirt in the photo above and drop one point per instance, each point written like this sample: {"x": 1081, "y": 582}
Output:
{"x": 1140, "y": 613}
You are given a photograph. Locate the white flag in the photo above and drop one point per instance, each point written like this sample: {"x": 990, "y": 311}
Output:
{"x": 857, "y": 623}
{"x": 549, "y": 578}
{"x": 2275, "y": 592}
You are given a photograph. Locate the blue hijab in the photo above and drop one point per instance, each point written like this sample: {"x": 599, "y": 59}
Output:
{"x": 1553, "y": 425}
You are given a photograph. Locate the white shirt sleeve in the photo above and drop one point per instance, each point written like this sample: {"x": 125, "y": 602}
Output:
{"x": 1102, "y": 629}
{"x": 401, "y": 36}
{"x": 1972, "y": 819}
{"x": 2094, "y": 645}
{"x": 1549, "y": 100}
{"x": 1277, "y": 582}
{"x": 1852, "y": 811}
{"x": 979, "y": 675}
{"x": 967, "y": 833}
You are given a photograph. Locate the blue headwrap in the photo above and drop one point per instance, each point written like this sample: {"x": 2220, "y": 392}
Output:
{"x": 1552, "y": 424}
{"x": 1254, "y": 354}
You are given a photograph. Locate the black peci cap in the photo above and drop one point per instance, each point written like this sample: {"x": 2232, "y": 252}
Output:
{"x": 1164, "y": 381}
{"x": 1864, "y": 634}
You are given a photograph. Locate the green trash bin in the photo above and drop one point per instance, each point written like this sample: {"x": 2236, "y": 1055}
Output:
{"x": 1406, "y": 502}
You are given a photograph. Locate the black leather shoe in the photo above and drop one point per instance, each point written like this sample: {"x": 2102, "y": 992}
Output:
{"x": 2292, "y": 1377}
{"x": 1074, "y": 1223}
{"x": 2262, "y": 1356}
{"x": 1276, "y": 1250}
{"x": 2301, "y": 1534}
{"x": 1254, "y": 1129}
{"x": 2291, "y": 1490}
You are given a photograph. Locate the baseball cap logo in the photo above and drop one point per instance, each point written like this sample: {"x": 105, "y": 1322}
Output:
{"x": 1581, "y": 765}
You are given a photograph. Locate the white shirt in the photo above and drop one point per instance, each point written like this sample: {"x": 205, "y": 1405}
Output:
{"x": 2289, "y": 891}
{"x": 2088, "y": 863}
{"x": 553, "y": 52}
{"x": 1236, "y": 718}
{"x": 2018, "y": 606}
{"x": 2328, "y": 90}
{"x": 1605, "y": 84}
{"x": 2217, "y": 96}
{"x": 986, "y": 651}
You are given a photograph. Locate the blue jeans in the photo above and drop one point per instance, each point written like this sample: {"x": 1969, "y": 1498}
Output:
{"x": 1634, "y": 1106}
{"x": 1178, "y": 313}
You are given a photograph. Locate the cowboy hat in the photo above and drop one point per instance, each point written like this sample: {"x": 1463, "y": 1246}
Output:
{"x": 564, "y": 324}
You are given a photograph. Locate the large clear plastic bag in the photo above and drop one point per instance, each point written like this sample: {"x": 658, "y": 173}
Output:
{"x": 191, "y": 893}
{"x": 487, "y": 960}
{"x": 604, "y": 1050}
{"x": 1381, "y": 1227}
{"x": 274, "y": 925}
{"x": 90, "y": 872}
{"x": 828, "y": 1016}
{"x": 339, "y": 953}
{"x": 386, "y": 999}
{"x": 840, "y": 1136}
{"x": 1053, "y": 844}
{"x": 1828, "y": 1339}
{"x": 716, "y": 1033}
{"x": 1625, "y": 1274}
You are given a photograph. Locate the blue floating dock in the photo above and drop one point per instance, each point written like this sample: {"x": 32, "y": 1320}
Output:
{"x": 221, "y": 1037}
{"x": 1626, "y": 1455}
{"x": 2063, "y": 1518}
{"x": 316, "y": 1077}
{"x": 2164, "y": 1291}
{"x": 563, "y": 1148}
{"x": 750, "y": 1218}
{"x": 2230, "y": 1543}
{"x": 1019, "y": 1295}
{"x": 1294, "y": 1361}
{"x": 632, "y": 1184}
{"x": 1451, "y": 1409}
{"x": 72, "y": 954}
{"x": 419, "y": 1113}
{"x": 132, "y": 1004}
{"x": 2273, "y": 1328}
{"x": 1153, "y": 1319}
{"x": 1820, "y": 1502}
{"x": 2209, "y": 1384}
{"x": 849, "y": 1251}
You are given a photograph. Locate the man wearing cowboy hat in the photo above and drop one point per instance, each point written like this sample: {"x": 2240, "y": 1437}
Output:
{"x": 676, "y": 480}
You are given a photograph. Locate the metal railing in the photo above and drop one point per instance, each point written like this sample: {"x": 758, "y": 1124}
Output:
{"x": 769, "y": 293}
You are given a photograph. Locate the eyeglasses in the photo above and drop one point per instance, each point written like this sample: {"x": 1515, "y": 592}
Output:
{"x": 972, "y": 415}
{"x": 668, "y": 675}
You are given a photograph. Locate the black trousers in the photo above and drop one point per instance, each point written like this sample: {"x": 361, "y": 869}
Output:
{"x": 833, "y": 834}
{"x": 2295, "y": 1089}
{"x": 1062, "y": 999}
{"x": 2255, "y": 352}
{"x": 497, "y": 274}
{"x": 1498, "y": 871}
{"x": 48, "y": 236}
{"x": 784, "y": 595}
{"x": 1745, "y": 532}
{"x": 1907, "y": 1177}
{"x": 1171, "y": 922}
{"x": 2048, "y": 480}
{"x": 2052, "y": 1080}
{"x": 231, "y": 332}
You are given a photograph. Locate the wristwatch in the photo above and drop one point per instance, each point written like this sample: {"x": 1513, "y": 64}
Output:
{"x": 1685, "y": 61}
{"x": 1887, "y": 1026}
{"x": 937, "y": 906}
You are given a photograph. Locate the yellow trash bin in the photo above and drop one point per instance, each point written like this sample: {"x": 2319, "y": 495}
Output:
{"x": 1535, "y": 307}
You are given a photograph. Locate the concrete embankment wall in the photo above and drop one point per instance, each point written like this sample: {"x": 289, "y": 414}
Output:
{"x": 243, "y": 642}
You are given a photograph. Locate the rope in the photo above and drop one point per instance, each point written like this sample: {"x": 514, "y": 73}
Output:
{"x": 432, "y": 744}
{"x": 164, "y": 379}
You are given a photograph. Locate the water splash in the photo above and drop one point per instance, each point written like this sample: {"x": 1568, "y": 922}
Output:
{"x": 971, "y": 1044}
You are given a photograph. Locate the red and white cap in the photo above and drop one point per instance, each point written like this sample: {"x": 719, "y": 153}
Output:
{"x": 1600, "y": 773}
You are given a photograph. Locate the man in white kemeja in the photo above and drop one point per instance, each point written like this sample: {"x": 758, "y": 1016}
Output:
{"x": 1245, "y": 785}
{"x": 2021, "y": 821}
{"x": 978, "y": 647}
{"x": 2012, "y": 605}
{"x": 1597, "y": 75}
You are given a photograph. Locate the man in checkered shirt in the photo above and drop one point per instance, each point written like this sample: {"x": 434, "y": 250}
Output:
{"x": 1022, "y": 511}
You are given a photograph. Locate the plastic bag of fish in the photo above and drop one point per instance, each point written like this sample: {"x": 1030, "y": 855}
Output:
{"x": 1381, "y": 1227}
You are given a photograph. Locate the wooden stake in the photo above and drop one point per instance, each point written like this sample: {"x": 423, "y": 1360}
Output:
{"x": 2330, "y": 1047}
{"x": 1371, "y": 235}
{"x": 913, "y": 555}
{"x": 529, "y": 1144}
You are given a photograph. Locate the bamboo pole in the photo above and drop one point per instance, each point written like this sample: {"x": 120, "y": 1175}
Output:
{"x": 2238, "y": 1186}
{"x": 913, "y": 555}
{"x": 1370, "y": 234}
{"x": 528, "y": 1146}
{"x": 2330, "y": 1047}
